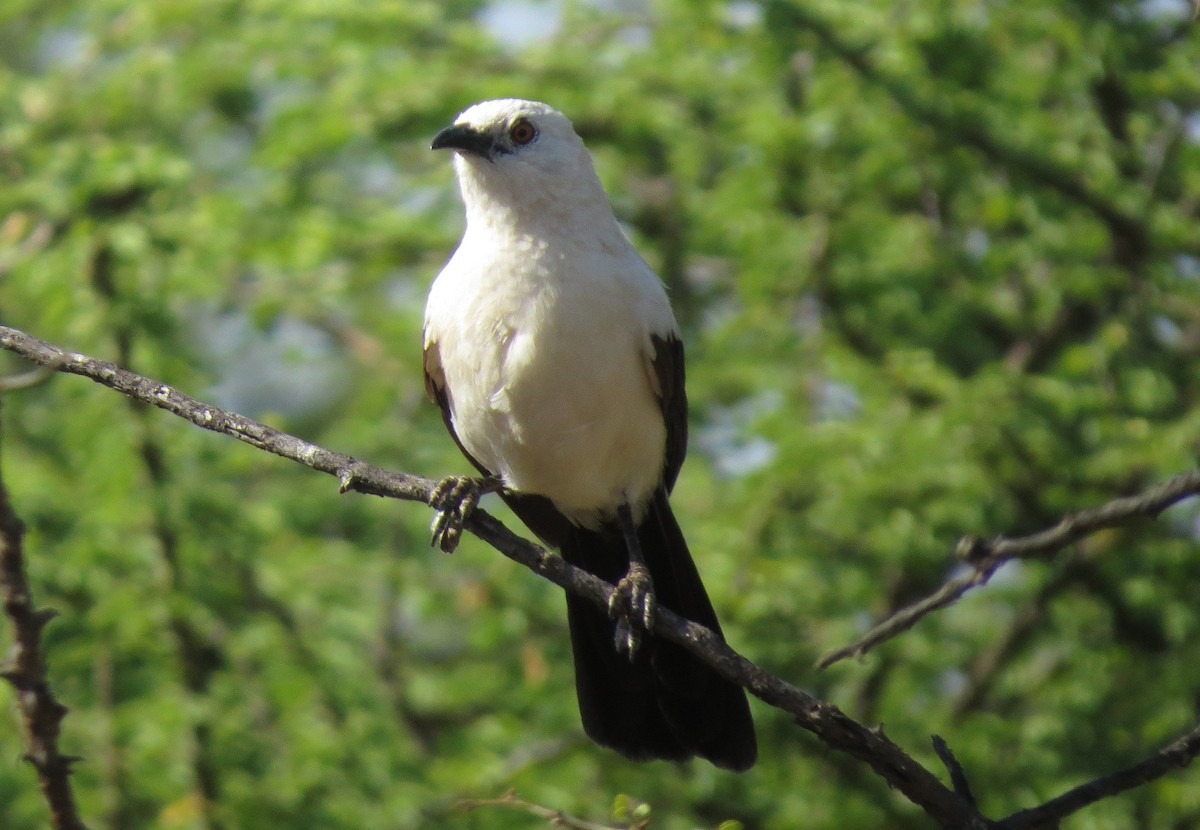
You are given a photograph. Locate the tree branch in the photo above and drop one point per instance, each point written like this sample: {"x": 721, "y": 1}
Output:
{"x": 958, "y": 777}
{"x": 557, "y": 818}
{"x": 985, "y": 557}
{"x": 1175, "y": 755}
{"x": 41, "y": 712}
{"x": 823, "y": 719}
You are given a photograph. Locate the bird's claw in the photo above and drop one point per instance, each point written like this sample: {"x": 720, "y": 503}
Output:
{"x": 455, "y": 499}
{"x": 632, "y": 606}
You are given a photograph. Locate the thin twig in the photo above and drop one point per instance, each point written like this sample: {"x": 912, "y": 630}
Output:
{"x": 41, "y": 712}
{"x": 27, "y": 380}
{"x": 958, "y": 777}
{"x": 985, "y": 557}
{"x": 557, "y": 818}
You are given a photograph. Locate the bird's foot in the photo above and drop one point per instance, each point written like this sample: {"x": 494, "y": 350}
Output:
{"x": 632, "y": 606}
{"x": 455, "y": 499}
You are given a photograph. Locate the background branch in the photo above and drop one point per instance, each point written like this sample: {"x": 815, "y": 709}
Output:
{"x": 985, "y": 557}
{"x": 557, "y": 818}
{"x": 1175, "y": 755}
{"x": 41, "y": 713}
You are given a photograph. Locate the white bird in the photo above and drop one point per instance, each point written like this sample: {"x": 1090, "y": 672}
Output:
{"x": 552, "y": 351}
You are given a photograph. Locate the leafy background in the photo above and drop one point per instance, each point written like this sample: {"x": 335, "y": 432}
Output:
{"x": 938, "y": 264}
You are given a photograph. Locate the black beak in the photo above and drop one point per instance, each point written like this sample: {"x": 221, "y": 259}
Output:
{"x": 459, "y": 137}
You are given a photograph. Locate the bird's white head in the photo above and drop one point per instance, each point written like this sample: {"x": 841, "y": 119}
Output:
{"x": 515, "y": 156}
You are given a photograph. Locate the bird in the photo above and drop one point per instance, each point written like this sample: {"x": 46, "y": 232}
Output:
{"x": 552, "y": 350}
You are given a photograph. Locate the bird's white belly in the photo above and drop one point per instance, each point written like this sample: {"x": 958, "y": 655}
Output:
{"x": 566, "y": 412}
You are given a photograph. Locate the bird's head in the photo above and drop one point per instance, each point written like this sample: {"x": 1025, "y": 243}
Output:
{"x": 511, "y": 152}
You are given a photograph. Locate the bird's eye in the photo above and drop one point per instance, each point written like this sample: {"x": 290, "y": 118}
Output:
{"x": 522, "y": 132}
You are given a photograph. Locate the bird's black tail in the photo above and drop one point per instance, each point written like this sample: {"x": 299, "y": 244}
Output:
{"x": 665, "y": 703}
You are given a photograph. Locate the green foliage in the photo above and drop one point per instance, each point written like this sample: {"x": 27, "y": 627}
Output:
{"x": 939, "y": 266}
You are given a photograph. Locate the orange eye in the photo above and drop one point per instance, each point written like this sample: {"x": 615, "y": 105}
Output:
{"x": 522, "y": 132}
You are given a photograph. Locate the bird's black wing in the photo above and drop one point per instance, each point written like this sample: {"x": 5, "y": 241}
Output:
{"x": 668, "y": 382}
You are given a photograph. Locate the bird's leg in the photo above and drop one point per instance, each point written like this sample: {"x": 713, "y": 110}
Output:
{"x": 455, "y": 498}
{"x": 632, "y": 602}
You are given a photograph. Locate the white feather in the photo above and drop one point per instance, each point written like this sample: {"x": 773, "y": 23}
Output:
{"x": 541, "y": 324}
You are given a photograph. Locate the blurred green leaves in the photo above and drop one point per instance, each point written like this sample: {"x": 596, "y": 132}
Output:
{"x": 937, "y": 267}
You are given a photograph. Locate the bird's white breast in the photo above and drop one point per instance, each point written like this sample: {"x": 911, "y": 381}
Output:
{"x": 544, "y": 352}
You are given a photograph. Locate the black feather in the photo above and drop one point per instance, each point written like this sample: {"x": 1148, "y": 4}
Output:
{"x": 665, "y": 703}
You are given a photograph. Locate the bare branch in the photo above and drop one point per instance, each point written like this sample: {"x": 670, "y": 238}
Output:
{"x": 557, "y": 818}
{"x": 823, "y": 719}
{"x": 27, "y": 380}
{"x": 906, "y": 617}
{"x": 985, "y": 557}
{"x": 1175, "y": 755}
{"x": 41, "y": 712}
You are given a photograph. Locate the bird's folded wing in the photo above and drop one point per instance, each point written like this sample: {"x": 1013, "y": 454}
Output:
{"x": 666, "y": 374}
